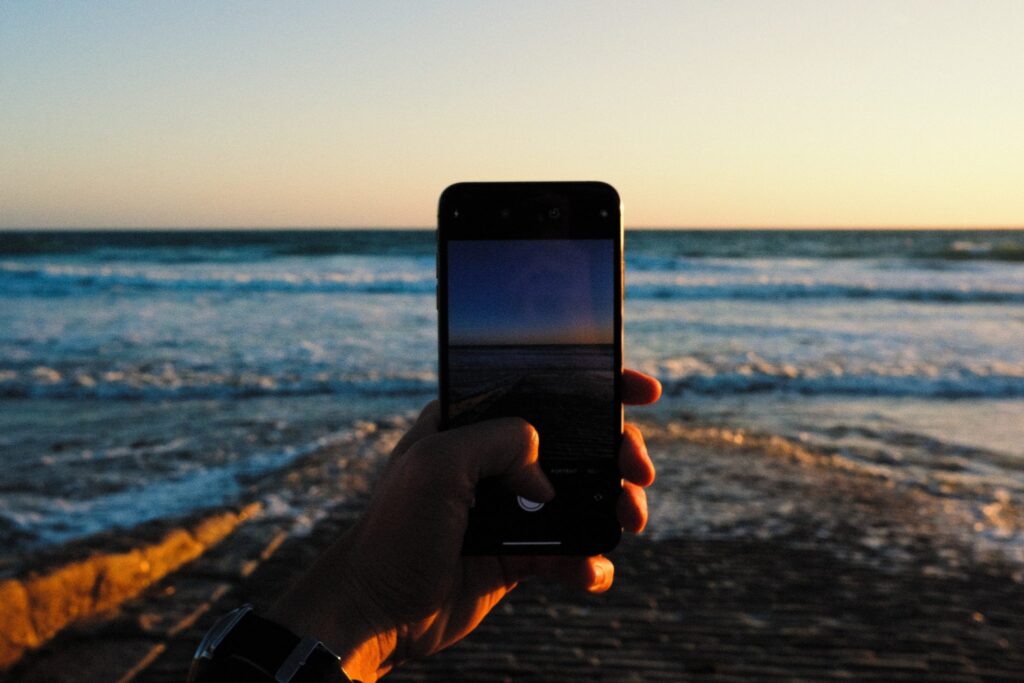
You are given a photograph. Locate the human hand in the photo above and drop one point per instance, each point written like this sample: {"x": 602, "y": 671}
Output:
{"x": 396, "y": 586}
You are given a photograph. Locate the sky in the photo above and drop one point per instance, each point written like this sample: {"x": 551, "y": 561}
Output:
{"x": 357, "y": 114}
{"x": 531, "y": 292}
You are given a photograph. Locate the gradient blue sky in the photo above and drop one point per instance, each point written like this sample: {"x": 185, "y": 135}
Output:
{"x": 810, "y": 113}
{"x": 531, "y": 292}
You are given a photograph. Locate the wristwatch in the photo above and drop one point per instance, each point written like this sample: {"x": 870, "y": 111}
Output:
{"x": 243, "y": 646}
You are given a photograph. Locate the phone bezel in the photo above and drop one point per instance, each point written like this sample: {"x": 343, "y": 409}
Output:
{"x": 522, "y": 210}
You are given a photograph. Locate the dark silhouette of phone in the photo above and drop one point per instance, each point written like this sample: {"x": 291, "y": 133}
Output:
{"x": 530, "y": 325}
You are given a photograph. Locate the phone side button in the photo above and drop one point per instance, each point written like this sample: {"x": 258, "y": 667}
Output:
{"x": 529, "y": 505}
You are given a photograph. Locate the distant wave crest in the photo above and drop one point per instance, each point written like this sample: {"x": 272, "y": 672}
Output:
{"x": 64, "y": 280}
{"x": 135, "y": 385}
{"x": 819, "y": 290}
{"x": 201, "y": 246}
{"x": 981, "y": 250}
{"x": 198, "y": 246}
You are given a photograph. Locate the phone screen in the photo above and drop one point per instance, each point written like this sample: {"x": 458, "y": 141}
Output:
{"x": 531, "y": 333}
{"x": 530, "y": 320}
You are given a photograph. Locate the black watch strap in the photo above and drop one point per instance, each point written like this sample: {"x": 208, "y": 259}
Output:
{"x": 258, "y": 649}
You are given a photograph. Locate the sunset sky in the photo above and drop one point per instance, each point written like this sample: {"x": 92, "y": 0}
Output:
{"x": 702, "y": 114}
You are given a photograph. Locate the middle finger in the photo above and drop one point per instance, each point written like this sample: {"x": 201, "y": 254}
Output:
{"x": 634, "y": 461}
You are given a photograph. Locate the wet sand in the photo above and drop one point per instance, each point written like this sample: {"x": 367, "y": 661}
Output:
{"x": 759, "y": 566}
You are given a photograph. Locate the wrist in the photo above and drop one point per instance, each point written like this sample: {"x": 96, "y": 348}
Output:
{"x": 358, "y": 652}
{"x": 326, "y": 604}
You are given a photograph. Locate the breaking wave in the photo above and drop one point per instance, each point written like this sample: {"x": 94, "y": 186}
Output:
{"x": 413, "y": 278}
{"x": 691, "y": 375}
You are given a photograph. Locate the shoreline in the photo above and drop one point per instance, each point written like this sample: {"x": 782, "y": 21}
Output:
{"x": 729, "y": 483}
{"x": 91, "y": 581}
{"x": 785, "y": 567}
{"x": 42, "y": 602}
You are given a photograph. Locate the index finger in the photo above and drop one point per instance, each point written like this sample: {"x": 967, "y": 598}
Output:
{"x": 427, "y": 423}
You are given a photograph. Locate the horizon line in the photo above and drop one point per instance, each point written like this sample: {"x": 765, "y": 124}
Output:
{"x": 326, "y": 228}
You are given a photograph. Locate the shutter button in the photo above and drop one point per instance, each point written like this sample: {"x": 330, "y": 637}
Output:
{"x": 528, "y": 505}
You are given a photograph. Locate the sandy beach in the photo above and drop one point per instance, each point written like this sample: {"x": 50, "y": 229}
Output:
{"x": 784, "y": 568}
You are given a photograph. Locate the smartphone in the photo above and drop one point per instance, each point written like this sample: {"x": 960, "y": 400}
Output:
{"x": 530, "y": 325}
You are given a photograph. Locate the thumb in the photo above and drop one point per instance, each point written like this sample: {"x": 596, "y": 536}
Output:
{"x": 506, "y": 448}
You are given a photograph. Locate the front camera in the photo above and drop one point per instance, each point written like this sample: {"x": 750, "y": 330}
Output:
{"x": 554, "y": 213}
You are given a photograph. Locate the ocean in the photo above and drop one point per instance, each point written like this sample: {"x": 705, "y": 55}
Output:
{"x": 146, "y": 375}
